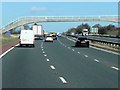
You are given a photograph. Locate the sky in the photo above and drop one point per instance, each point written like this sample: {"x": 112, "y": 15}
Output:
{"x": 13, "y": 10}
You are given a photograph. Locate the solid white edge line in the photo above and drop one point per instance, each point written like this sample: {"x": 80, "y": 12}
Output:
{"x": 52, "y": 67}
{"x": 96, "y": 60}
{"x": 7, "y": 51}
{"x": 63, "y": 80}
{"x": 115, "y": 68}
{"x": 105, "y": 50}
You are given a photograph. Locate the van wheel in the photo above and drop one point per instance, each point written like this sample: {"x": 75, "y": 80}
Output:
{"x": 33, "y": 45}
{"x": 20, "y": 45}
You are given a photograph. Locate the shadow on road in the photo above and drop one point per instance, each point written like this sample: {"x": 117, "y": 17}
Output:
{"x": 23, "y": 46}
{"x": 79, "y": 46}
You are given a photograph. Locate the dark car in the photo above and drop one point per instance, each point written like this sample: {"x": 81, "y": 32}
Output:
{"x": 82, "y": 41}
{"x": 54, "y": 37}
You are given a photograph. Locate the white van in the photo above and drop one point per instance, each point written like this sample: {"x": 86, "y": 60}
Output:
{"x": 85, "y": 32}
{"x": 27, "y": 37}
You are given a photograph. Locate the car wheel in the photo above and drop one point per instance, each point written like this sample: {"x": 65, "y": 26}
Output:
{"x": 76, "y": 45}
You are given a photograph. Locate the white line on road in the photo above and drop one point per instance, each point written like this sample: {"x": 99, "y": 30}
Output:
{"x": 48, "y": 60}
{"x": 63, "y": 80}
{"x": 105, "y": 50}
{"x": 115, "y": 68}
{"x": 100, "y": 48}
{"x": 73, "y": 50}
{"x": 43, "y": 52}
{"x": 45, "y": 55}
{"x": 68, "y": 47}
{"x": 52, "y": 67}
{"x": 78, "y": 52}
{"x": 86, "y": 55}
{"x": 7, "y": 51}
{"x": 96, "y": 60}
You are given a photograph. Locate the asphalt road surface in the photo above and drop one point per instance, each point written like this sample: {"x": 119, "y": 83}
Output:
{"x": 59, "y": 65}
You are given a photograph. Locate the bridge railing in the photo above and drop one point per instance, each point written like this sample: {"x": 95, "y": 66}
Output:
{"x": 63, "y": 18}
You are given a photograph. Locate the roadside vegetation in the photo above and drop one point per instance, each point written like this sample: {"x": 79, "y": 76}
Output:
{"x": 109, "y": 30}
{"x": 4, "y": 39}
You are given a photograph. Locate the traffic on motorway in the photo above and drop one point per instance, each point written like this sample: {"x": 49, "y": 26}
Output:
{"x": 52, "y": 45}
{"x": 57, "y": 61}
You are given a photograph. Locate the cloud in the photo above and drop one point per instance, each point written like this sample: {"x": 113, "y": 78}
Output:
{"x": 37, "y": 9}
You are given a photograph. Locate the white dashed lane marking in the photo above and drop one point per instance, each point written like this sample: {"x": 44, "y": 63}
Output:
{"x": 48, "y": 60}
{"x": 52, "y": 67}
{"x": 86, "y": 55}
{"x": 45, "y": 55}
{"x": 68, "y": 47}
{"x": 115, "y": 68}
{"x": 96, "y": 60}
{"x": 73, "y": 50}
{"x": 43, "y": 52}
{"x": 63, "y": 80}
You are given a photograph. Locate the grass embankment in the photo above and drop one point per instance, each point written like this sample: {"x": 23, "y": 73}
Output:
{"x": 4, "y": 39}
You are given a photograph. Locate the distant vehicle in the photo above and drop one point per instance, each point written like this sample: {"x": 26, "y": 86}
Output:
{"x": 59, "y": 35}
{"x": 85, "y": 32}
{"x": 54, "y": 37}
{"x": 38, "y": 31}
{"x": 53, "y": 34}
{"x": 48, "y": 39}
{"x": 82, "y": 41}
{"x": 26, "y": 38}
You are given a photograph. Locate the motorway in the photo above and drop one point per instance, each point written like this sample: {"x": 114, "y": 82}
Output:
{"x": 59, "y": 65}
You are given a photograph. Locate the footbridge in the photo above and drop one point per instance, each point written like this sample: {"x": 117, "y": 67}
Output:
{"x": 34, "y": 19}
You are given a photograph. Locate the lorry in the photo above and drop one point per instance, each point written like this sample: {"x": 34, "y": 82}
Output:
{"x": 26, "y": 38}
{"x": 85, "y": 32}
{"x": 38, "y": 31}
